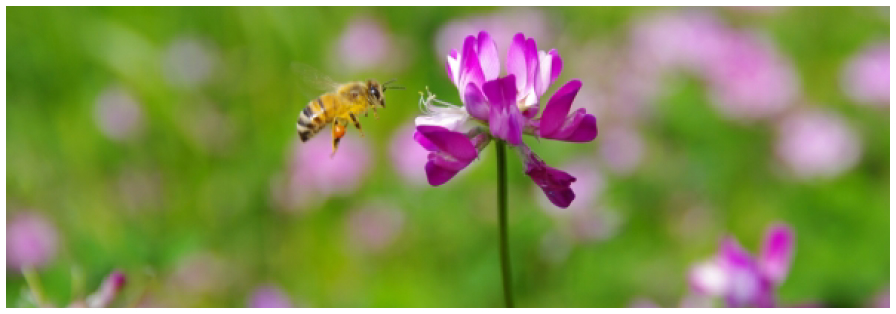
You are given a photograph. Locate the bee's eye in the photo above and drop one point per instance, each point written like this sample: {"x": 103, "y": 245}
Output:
{"x": 375, "y": 93}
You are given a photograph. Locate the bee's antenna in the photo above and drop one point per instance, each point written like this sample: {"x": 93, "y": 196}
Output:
{"x": 385, "y": 85}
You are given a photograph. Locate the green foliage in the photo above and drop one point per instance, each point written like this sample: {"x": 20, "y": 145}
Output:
{"x": 219, "y": 200}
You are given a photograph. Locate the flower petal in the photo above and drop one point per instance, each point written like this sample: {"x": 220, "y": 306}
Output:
{"x": 452, "y": 66}
{"x": 424, "y": 142}
{"x": 735, "y": 255}
{"x": 522, "y": 62}
{"x": 746, "y": 286}
{"x": 488, "y": 56}
{"x": 437, "y": 175}
{"x": 549, "y": 67}
{"x": 470, "y": 69}
{"x": 553, "y": 182}
{"x": 578, "y": 127}
{"x": 777, "y": 252}
{"x": 505, "y": 120}
{"x": 476, "y": 103}
{"x": 558, "y": 107}
{"x": 446, "y": 119}
{"x": 708, "y": 278}
{"x": 453, "y": 144}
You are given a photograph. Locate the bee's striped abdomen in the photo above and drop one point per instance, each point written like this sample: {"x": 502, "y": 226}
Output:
{"x": 311, "y": 120}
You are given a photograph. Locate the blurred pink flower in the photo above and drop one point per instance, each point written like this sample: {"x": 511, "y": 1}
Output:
{"x": 364, "y": 45}
{"x": 743, "y": 279}
{"x": 118, "y": 114}
{"x": 189, "y": 62}
{"x": 866, "y": 78}
{"x": 814, "y": 143}
{"x": 31, "y": 241}
{"x": 750, "y": 80}
{"x": 676, "y": 39}
{"x": 312, "y": 176}
{"x": 501, "y": 25}
{"x": 408, "y": 157}
{"x": 375, "y": 226}
{"x": 621, "y": 148}
{"x": 269, "y": 296}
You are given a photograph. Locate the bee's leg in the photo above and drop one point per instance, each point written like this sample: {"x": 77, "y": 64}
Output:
{"x": 357, "y": 124}
{"x": 338, "y": 132}
{"x": 374, "y": 114}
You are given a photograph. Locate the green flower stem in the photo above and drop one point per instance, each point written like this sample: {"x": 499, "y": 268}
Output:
{"x": 502, "y": 223}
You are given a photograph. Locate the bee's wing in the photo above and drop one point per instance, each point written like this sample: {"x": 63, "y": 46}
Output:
{"x": 313, "y": 78}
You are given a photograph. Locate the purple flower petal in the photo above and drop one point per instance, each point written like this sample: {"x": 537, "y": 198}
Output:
{"x": 585, "y": 130}
{"x": 553, "y": 182}
{"x": 556, "y": 65}
{"x": 777, "y": 253}
{"x": 549, "y": 67}
{"x": 449, "y": 152}
{"x": 746, "y": 286}
{"x": 424, "y": 142}
{"x": 488, "y": 56}
{"x": 558, "y": 107}
{"x": 522, "y": 62}
{"x": 470, "y": 69}
{"x": 735, "y": 255}
{"x": 437, "y": 175}
{"x": 555, "y": 123}
{"x": 476, "y": 103}
{"x": 505, "y": 120}
{"x": 455, "y": 144}
{"x": 452, "y": 66}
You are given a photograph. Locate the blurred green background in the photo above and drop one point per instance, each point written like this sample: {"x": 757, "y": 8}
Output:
{"x": 179, "y": 187}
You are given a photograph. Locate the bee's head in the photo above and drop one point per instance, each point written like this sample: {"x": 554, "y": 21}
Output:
{"x": 375, "y": 91}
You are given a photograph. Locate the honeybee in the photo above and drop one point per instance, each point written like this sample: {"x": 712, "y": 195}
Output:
{"x": 344, "y": 104}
